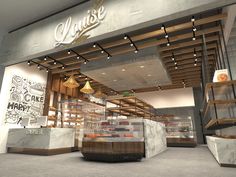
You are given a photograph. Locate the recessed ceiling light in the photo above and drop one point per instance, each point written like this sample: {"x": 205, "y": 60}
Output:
{"x": 141, "y": 66}
{"x": 114, "y": 80}
{"x": 103, "y": 73}
{"x": 149, "y": 75}
{"x": 123, "y": 70}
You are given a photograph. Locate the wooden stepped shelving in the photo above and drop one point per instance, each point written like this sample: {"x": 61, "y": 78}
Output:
{"x": 217, "y": 89}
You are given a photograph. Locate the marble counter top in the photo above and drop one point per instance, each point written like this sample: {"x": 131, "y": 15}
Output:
{"x": 41, "y": 138}
{"x": 224, "y": 150}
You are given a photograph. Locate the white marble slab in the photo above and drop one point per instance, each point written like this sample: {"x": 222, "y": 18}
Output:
{"x": 224, "y": 150}
{"x": 154, "y": 137}
{"x": 41, "y": 138}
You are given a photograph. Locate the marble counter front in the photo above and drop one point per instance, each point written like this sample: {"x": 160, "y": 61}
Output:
{"x": 41, "y": 139}
{"x": 224, "y": 150}
{"x": 154, "y": 138}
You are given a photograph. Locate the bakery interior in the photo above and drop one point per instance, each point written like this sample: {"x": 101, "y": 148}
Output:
{"x": 103, "y": 98}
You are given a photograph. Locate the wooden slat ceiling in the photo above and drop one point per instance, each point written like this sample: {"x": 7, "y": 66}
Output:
{"x": 188, "y": 72}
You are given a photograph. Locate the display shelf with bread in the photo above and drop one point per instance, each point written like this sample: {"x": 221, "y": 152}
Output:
{"x": 180, "y": 131}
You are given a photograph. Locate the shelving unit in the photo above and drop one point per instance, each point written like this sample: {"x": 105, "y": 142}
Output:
{"x": 219, "y": 110}
{"x": 180, "y": 130}
{"x": 130, "y": 106}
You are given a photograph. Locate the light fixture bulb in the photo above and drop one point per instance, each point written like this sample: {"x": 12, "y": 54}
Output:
{"x": 85, "y": 62}
{"x": 176, "y": 67}
{"x": 194, "y": 54}
{"x": 166, "y": 36}
{"x": 195, "y": 64}
{"x": 168, "y": 44}
{"x": 175, "y": 63}
{"x": 94, "y": 45}
{"x": 108, "y": 57}
{"x": 125, "y": 37}
{"x": 68, "y": 52}
{"x": 194, "y": 29}
{"x": 193, "y": 19}
{"x": 55, "y": 63}
{"x": 131, "y": 44}
{"x": 162, "y": 27}
{"x": 194, "y": 38}
{"x": 77, "y": 57}
{"x": 38, "y": 66}
{"x": 102, "y": 51}
{"x": 45, "y": 58}
{"x": 47, "y": 70}
{"x": 28, "y": 62}
{"x": 173, "y": 58}
{"x": 136, "y": 51}
{"x": 63, "y": 67}
{"x": 196, "y": 59}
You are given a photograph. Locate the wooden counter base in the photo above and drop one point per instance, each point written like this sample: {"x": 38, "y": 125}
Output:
{"x": 113, "y": 151}
{"x": 40, "y": 151}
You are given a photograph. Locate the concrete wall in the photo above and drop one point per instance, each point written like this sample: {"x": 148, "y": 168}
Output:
{"x": 122, "y": 16}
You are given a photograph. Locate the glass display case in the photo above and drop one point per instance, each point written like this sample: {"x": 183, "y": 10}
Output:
{"x": 180, "y": 130}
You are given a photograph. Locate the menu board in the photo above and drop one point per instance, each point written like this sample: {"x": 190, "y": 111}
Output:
{"x": 26, "y": 100}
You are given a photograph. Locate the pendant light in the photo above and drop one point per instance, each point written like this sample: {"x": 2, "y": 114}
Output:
{"x": 99, "y": 94}
{"x": 71, "y": 82}
{"x": 87, "y": 88}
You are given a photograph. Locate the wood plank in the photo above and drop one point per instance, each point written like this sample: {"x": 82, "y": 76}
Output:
{"x": 187, "y": 44}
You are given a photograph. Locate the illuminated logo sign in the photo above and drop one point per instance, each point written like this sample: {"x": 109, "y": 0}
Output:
{"x": 69, "y": 32}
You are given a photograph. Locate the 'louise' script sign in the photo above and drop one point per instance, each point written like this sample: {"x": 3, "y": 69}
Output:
{"x": 69, "y": 31}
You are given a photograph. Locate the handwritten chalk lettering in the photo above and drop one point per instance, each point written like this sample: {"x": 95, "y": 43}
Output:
{"x": 18, "y": 106}
{"x": 66, "y": 33}
{"x": 34, "y": 132}
{"x": 34, "y": 98}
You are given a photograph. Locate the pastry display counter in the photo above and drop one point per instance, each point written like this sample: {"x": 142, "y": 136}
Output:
{"x": 41, "y": 141}
{"x": 124, "y": 140}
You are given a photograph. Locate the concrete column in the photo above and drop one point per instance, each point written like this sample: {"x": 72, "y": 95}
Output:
{"x": 2, "y": 70}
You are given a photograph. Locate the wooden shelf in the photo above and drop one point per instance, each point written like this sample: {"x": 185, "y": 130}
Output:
{"x": 217, "y": 102}
{"x": 220, "y": 123}
{"x": 130, "y": 106}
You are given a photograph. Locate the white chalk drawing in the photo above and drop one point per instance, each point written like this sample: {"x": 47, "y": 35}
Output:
{"x": 26, "y": 100}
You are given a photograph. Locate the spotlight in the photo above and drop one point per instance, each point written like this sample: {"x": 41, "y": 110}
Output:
{"x": 65, "y": 78}
{"x": 131, "y": 44}
{"x": 194, "y": 54}
{"x": 77, "y": 57}
{"x": 175, "y": 63}
{"x": 193, "y": 38}
{"x": 63, "y": 67}
{"x": 136, "y": 51}
{"x": 45, "y": 58}
{"x": 102, "y": 51}
{"x": 38, "y": 66}
{"x": 85, "y": 62}
{"x": 168, "y": 44}
{"x": 54, "y": 62}
{"x": 28, "y": 62}
{"x": 125, "y": 37}
{"x": 193, "y": 19}
{"x": 108, "y": 57}
{"x": 94, "y": 45}
{"x": 166, "y": 36}
{"x": 176, "y": 67}
{"x": 194, "y": 28}
{"x": 173, "y": 59}
{"x": 195, "y": 64}
{"x": 195, "y": 59}
{"x": 162, "y": 27}
{"x": 47, "y": 70}
{"x": 68, "y": 52}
